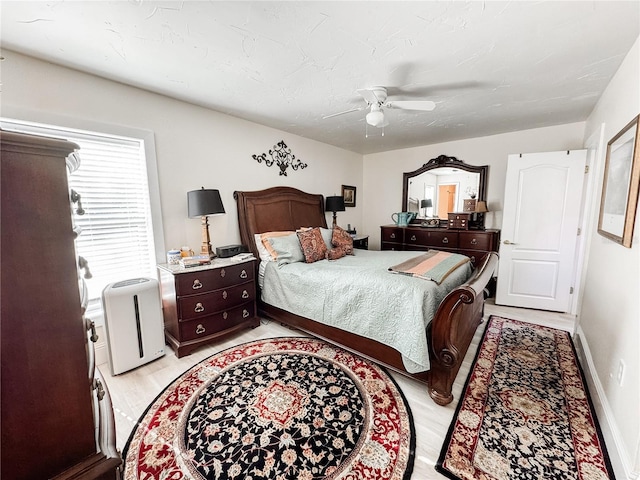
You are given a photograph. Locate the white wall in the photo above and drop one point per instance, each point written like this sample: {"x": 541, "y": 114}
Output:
{"x": 383, "y": 171}
{"x": 610, "y": 312}
{"x": 195, "y": 146}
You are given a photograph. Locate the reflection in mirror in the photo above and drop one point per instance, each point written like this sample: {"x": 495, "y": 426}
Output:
{"x": 443, "y": 185}
{"x": 445, "y": 188}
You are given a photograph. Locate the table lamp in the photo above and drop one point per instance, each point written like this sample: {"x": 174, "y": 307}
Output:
{"x": 334, "y": 204}
{"x": 201, "y": 203}
{"x": 478, "y": 214}
{"x": 426, "y": 203}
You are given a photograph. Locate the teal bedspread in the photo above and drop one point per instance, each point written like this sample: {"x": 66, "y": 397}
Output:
{"x": 359, "y": 294}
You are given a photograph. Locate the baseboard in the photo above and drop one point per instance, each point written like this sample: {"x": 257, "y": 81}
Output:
{"x": 618, "y": 454}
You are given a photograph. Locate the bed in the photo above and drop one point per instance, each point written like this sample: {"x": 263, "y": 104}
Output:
{"x": 447, "y": 335}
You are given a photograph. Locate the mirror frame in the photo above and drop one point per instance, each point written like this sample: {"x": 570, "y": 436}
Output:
{"x": 445, "y": 161}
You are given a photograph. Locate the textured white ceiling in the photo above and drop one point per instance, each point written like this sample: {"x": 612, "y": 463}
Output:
{"x": 490, "y": 67}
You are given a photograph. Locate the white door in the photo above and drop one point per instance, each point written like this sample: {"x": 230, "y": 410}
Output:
{"x": 539, "y": 230}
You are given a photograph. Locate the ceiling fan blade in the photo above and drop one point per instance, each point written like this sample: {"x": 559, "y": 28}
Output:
{"x": 424, "y": 105}
{"x": 357, "y": 109}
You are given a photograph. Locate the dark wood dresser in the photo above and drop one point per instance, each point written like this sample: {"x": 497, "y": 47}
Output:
{"x": 202, "y": 304}
{"x": 57, "y": 419}
{"x": 472, "y": 243}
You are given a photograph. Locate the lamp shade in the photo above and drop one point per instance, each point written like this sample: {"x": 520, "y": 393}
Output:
{"x": 481, "y": 206}
{"x": 426, "y": 203}
{"x": 334, "y": 204}
{"x": 204, "y": 202}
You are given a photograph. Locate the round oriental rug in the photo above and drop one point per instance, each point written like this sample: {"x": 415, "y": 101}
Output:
{"x": 283, "y": 408}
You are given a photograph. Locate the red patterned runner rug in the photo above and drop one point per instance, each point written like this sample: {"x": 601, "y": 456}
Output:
{"x": 525, "y": 411}
{"x": 283, "y": 408}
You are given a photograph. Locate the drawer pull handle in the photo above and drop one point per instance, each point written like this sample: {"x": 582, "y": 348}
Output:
{"x": 224, "y": 295}
{"x": 243, "y": 274}
{"x": 200, "y": 329}
{"x": 245, "y": 313}
{"x": 473, "y": 259}
{"x": 474, "y": 242}
{"x": 99, "y": 389}
{"x": 245, "y": 294}
{"x": 445, "y": 240}
{"x": 91, "y": 326}
{"x": 223, "y": 272}
{"x": 196, "y": 284}
{"x": 199, "y": 308}
{"x": 413, "y": 238}
{"x": 393, "y": 235}
{"x": 225, "y": 315}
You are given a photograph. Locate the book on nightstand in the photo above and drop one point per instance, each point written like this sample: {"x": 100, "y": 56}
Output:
{"x": 195, "y": 261}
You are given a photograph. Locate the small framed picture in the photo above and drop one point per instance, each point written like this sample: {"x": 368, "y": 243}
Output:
{"x": 349, "y": 195}
{"x": 621, "y": 185}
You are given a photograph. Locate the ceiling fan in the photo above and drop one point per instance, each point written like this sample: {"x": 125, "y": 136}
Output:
{"x": 376, "y": 98}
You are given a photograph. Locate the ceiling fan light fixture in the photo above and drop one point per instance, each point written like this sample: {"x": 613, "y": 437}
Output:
{"x": 375, "y": 118}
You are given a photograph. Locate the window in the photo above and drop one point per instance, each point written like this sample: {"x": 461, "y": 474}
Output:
{"x": 117, "y": 232}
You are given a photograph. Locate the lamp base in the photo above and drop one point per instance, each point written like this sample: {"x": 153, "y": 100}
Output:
{"x": 206, "y": 249}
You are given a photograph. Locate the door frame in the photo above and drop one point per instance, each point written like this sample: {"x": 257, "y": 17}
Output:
{"x": 596, "y": 150}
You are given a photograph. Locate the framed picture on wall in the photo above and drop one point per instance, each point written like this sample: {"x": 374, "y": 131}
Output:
{"x": 620, "y": 185}
{"x": 349, "y": 195}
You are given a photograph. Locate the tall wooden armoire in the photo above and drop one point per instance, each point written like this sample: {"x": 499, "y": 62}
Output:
{"x": 57, "y": 418}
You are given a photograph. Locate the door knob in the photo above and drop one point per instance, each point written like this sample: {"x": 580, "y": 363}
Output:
{"x": 507, "y": 242}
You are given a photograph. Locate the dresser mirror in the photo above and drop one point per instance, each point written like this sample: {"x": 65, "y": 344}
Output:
{"x": 441, "y": 186}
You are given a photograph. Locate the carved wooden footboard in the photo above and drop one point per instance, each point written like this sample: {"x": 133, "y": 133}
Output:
{"x": 449, "y": 333}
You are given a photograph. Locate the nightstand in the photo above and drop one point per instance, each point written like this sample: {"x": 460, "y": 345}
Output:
{"x": 361, "y": 242}
{"x": 202, "y": 304}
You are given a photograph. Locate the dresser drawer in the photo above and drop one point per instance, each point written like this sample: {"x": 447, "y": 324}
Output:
{"x": 194, "y": 306}
{"x": 474, "y": 255}
{"x": 213, "y": 279}
{"x": 392, "y": 235}
{"x": 475, "y": 240}
{"x": 430, "y": 239}
{"x": 216, "y": 323}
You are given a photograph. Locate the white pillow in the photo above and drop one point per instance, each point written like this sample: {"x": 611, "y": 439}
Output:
{"x": 288, "y": 249}
{"x": 264, "y": 254}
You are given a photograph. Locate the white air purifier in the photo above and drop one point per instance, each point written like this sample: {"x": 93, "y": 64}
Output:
{"x": 133, "y": 322}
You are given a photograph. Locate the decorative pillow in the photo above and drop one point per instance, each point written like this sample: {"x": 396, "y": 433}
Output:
{"x": 336, "y": 253}
{"x": 313, "y": 245}
{"x": 287, "y": 248}
{"x": 341, "y": 239}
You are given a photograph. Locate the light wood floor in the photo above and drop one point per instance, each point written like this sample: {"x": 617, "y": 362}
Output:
{"x": 133, "y": 391}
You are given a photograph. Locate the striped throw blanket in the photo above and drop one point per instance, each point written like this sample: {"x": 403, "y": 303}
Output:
{"x": 432, "y": 265}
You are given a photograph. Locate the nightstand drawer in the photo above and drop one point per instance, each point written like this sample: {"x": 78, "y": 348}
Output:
{"x": 213, "y": 279}
{"x": 194, "y": 306}
{"x": 475, "y": 240}
{"x": 214, "y": 324}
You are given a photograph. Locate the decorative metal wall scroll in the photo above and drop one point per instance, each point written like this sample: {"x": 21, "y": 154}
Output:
{"x": 282, "y": 156}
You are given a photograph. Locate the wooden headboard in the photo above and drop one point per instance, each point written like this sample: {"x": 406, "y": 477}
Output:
{"x": 277, "y": 209}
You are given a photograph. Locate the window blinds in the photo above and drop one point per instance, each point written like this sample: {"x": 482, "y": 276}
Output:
{"x": 116, "y": 230}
